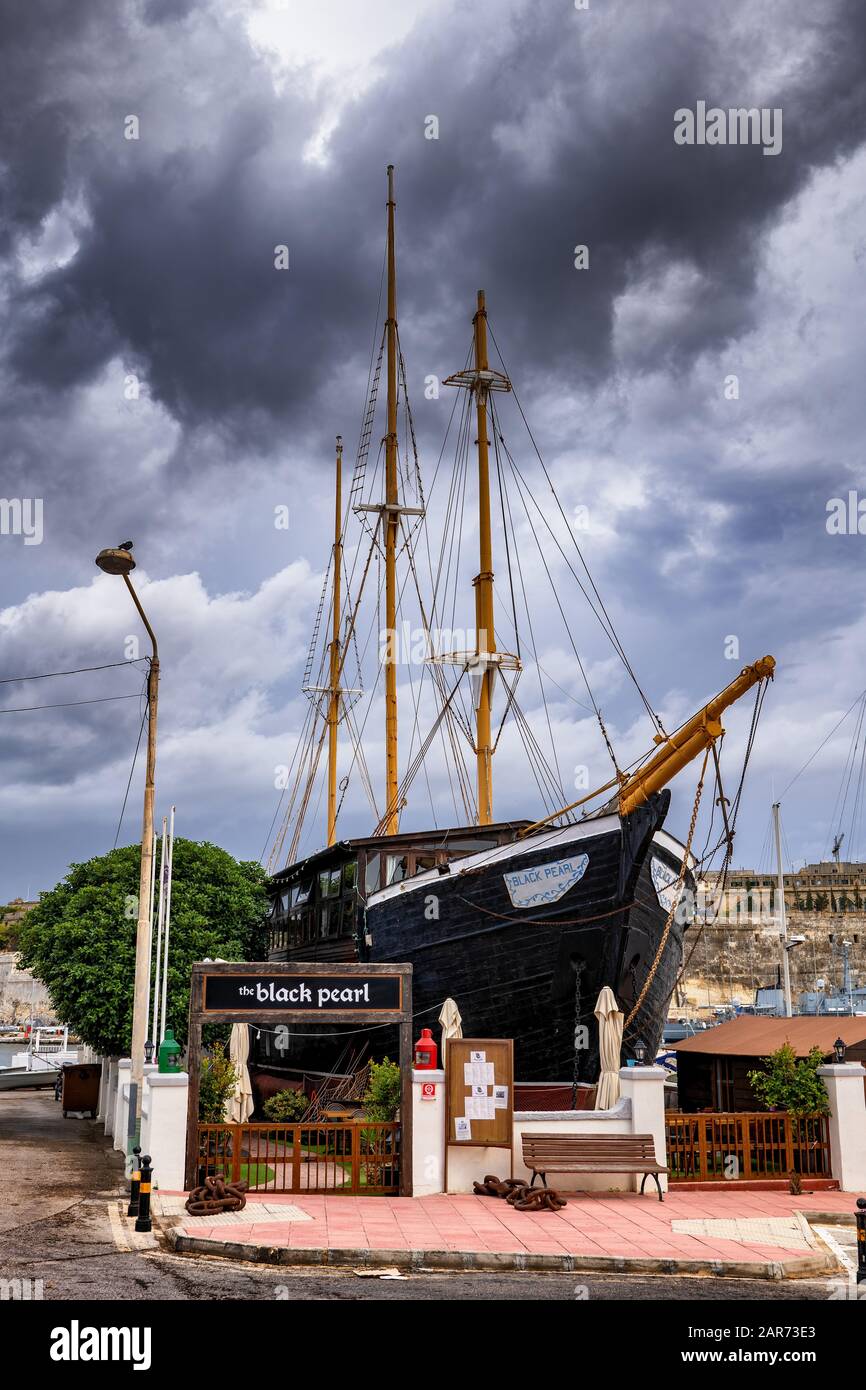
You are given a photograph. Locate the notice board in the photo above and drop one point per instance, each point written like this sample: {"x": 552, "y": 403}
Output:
{"x": 479, "y": 1084}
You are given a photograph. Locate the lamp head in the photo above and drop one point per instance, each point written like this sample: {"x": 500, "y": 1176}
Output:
{"x": 116, "y": 560}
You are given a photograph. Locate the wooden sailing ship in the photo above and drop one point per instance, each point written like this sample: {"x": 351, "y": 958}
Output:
{"x": 520, "y": 922}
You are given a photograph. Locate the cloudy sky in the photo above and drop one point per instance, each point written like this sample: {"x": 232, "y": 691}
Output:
{"x": 150, "y": 260}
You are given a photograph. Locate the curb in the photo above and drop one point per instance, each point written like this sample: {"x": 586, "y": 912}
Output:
{"x": 414, "y": 1261}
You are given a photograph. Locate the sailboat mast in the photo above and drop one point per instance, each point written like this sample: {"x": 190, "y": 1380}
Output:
{"x": 334, "y": 687}
{"x": 485, "y": 637}
{"x": 391, "y": 521}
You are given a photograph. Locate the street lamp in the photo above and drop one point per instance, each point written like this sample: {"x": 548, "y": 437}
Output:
{"x": 118, "y": 560}
{"x": 840, "y": 1048}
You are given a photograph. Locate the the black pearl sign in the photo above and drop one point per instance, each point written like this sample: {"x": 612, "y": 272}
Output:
{"x": 303, "y": 993}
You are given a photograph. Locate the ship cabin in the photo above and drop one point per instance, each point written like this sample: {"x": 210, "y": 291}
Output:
{"x": 317, "y": 905}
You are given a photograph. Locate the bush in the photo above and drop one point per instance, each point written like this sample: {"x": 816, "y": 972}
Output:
{"x": 218, "y": 1081}
{"x": 286, "y": 1106}
{"x": 789, "y": 1084}
{"x": 382, "y": 1097}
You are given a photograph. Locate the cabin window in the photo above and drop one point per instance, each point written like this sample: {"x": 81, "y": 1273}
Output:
{"x": 350, "y": 876}
{"x": 423, "y": 862}
{"x": 372, "y": 874}
{"x": 301, "y": 892}
{"x": 329, "y": 883}
{"x": 395, "y": 868}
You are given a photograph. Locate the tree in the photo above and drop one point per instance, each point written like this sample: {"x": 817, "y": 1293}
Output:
{"x": 80, "y": 938}
{"x": 789, "y": 1084}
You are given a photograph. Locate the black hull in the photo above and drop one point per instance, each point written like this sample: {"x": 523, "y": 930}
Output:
{"x": 534, "y": 974}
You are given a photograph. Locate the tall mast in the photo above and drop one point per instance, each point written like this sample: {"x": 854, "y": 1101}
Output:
{"x": 482, "y": 664}
{"x": 485, "y": 636}
{"x": 334, "y": 687}
{"x": 391, "y": 521}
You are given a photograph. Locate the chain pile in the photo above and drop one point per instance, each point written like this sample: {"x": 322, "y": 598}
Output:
{"x": 216, "y": 1195}
{"x": 519, "y": 1194}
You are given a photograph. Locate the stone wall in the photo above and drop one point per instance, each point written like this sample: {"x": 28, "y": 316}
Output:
{"x": 21, "y": 995}
{"x": 732, "y": 959}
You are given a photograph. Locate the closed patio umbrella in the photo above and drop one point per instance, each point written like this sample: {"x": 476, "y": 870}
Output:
{"x": 610, "y": 1022}
{"x": 241, "y": 1103}
{"x": 452, "y": 1023}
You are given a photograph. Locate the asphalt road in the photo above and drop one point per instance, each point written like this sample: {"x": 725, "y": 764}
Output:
{"x": 59, "y": 1186}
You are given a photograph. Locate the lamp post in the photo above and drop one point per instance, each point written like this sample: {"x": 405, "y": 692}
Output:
{"x": 119, "y": 561}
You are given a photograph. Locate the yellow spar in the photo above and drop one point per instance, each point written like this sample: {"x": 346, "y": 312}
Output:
{"x": 699, "y": 733}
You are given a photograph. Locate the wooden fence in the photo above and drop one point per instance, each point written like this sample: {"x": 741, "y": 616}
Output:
{"x": 356, "y": 1157}
{"x": 706, "y": 1147}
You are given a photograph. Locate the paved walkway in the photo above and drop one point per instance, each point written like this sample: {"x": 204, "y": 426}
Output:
{"x": 738, "y": 1230}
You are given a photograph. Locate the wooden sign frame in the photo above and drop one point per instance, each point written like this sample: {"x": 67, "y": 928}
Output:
{"x": 286, "y": 972}
{"x": 486, "y": 1134}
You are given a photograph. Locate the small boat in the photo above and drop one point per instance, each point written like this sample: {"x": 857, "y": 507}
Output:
{"x": 41, "y": 1063}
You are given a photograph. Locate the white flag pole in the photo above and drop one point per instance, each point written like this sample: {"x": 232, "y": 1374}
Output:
{"x": 160, "y": 919}
{"x": 167, "y": 924}
{"x": 150, "y": 933}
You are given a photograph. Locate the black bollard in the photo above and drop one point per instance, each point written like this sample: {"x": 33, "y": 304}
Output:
{"x": 143, "y": 1222}
{"x": 860, "y": 1218}
{"x": 134, "y": 1182}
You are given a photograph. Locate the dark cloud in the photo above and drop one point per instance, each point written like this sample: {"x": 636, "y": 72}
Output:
{"x": 555, "y": 128}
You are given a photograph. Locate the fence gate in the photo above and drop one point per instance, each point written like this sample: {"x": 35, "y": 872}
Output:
{"x": 356, "y": 1156}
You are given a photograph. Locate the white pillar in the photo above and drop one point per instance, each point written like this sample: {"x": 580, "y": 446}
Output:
{"x": 103, "y": 1082}
{"x": 110, "y": 1095}
{"x": 167, "y": 1095}
{"x": 121, "y": 1103}
{"x": 144, "y": 1135}
{"x": 844, "y": 1086}
{"x": 645, "y": 1088}
{"x": 428, "y": 1133}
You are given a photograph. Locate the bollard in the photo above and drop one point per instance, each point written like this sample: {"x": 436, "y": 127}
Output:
{"x": 134, "y": 1182}
{"x": 860, "y": 1218}
{"x": 143, "y": 1222}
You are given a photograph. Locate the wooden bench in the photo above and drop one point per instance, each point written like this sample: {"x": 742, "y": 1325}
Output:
{"x": 592, "y": 1153}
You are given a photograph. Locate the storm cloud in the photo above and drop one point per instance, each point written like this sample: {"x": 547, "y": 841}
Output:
{"x": 153, "y": 259}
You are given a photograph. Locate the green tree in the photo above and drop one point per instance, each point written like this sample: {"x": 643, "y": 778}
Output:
{"x": 216, "y": 1085}
{"x": 789, "y": 1084}
{"x": 382, "y": 1097}
{"x": 80, "y": 938}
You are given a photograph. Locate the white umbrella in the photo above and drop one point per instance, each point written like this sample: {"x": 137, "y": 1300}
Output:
{"x": 610, "y": 1021}
{"x": 241, "y": 1103}
{"x": 452, "y": 1023}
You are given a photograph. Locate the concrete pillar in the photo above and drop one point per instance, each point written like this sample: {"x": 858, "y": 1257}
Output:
{"x": 645, "y": 1088}
{"x": 428, "y": 1133}
{"x": 844, "y": 1086}
{"x": 167, "y": 1095}
{"x": 121, "y": 1103}
{"x": 144, "y": 1136}
{"x": 110, "y": 1095}
{"x": 103, "y": 1082}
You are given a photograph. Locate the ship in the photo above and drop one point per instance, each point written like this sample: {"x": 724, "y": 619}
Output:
{"x": 520, "y": 922}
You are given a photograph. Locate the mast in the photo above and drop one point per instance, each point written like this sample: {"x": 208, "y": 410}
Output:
{"x": 783, "y": 916}
{"x": 484, "y": 661}
{"x": 391, "y": 521}
{"x": 485, "y": 636}
{"x": 334, "y": 687}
